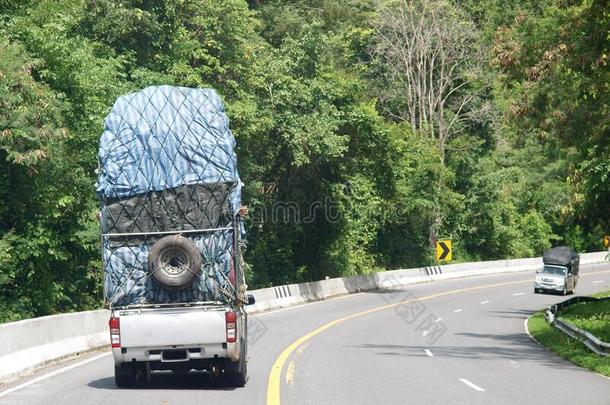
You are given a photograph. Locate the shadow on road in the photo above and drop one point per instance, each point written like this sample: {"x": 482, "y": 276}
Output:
{"x": 484, "y": 347}
{"x": 167, "y": 381}
{"x": 512, "y": 313}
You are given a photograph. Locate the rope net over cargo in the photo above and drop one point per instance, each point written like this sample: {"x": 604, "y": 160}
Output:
{"x": 168, "y": 168}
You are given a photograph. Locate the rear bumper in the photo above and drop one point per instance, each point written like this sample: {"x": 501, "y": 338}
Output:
{"x": 176, "y": 354}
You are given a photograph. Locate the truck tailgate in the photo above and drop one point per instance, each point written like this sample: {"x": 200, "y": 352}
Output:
{"x": 172, "y": 327}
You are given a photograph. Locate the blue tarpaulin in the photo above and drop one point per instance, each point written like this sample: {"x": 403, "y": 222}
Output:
{"x": 164, "y": 138}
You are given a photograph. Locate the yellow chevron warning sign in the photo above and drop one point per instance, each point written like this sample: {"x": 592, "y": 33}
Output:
{"x": 443, "y": 250}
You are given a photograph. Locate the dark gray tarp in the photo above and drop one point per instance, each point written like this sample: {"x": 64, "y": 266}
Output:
{"x": 562, "y": 255}
{"x": 184, "y": 208}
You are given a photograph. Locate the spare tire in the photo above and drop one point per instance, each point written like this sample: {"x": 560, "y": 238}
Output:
{"x": 174, "y": 262}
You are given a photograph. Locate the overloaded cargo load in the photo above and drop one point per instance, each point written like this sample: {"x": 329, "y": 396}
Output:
{"x": 169, "y": 191}
{"x": 562, "y": 256}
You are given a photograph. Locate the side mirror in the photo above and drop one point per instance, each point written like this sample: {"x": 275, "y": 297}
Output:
{"x": 251, "y": 299}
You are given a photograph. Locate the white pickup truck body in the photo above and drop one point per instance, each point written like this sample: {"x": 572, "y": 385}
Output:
{"x": 178, "y": 337}
{"x": 197, "y": 330}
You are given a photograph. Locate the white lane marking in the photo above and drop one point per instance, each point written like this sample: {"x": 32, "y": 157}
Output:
{"x": 290, "y": 373}
{"x": 52, "y": 374}
{"x": 425, "y": 333}
{"x": 471, "y": 385}
{"x": 598, "y": 281}
{"x": 518, "y": 294}
{"x": 527, "y": 330}
{"x": 438, "y": 319}
{"x": 514, "y": 364}
{"x": 457, "y": 310}
{"x": 484, "y": 302}
{"x": 428, "y": 353}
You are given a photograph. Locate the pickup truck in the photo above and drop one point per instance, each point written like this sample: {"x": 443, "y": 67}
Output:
{"x": 559, "y": 272}
{"x": 172, "y": 236}
{"x": 196, "y": 336}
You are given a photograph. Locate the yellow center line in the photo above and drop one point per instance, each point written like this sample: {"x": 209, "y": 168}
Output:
{"x": 273, "y": 387}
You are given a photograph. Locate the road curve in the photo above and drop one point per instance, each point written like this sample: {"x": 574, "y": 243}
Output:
{"x": 454, "y": 341}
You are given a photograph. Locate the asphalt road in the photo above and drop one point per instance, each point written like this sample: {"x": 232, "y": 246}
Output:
{"x": 456, "y": 341}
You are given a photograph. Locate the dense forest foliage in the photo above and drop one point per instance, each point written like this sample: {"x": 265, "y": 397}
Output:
{"x": 366, "y": 129}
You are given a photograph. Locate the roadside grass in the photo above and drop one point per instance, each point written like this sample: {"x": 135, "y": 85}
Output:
{"x": 592, "y": 317}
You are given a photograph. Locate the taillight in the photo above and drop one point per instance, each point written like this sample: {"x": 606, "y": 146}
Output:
{"x": 115, "y": 332}
{"x": 231, "y": 319}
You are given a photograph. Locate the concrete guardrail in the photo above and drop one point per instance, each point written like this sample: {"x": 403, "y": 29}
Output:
{"x": 35, "y": 342}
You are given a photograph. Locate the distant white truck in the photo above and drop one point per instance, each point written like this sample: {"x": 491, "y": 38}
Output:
{"x": 559, "y": 272}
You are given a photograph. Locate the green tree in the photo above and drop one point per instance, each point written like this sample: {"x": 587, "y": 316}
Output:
{"x": 555, "y": 71}
{"x": 40, "y": 270}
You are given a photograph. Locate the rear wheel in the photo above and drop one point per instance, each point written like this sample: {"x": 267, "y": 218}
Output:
{"x": 124, "y": 376}
{"x": 236, "y": 372}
